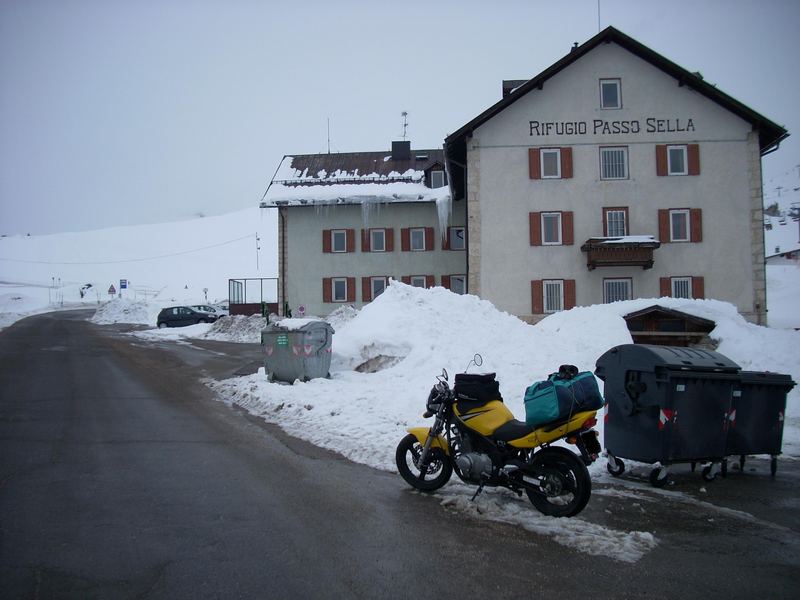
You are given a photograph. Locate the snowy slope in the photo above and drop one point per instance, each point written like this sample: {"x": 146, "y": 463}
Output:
{"x": 171, "y": 261}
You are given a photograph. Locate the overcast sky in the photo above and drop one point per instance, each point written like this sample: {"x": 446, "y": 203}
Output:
{"x": 125, "y": 112}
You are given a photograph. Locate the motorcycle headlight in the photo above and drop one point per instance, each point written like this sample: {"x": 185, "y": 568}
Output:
{"x": 434, "y": 400}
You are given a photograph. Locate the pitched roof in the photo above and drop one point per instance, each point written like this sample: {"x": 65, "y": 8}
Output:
{"x": 354, "y": 178}
{"x": 782, "y": 236}
{"x": 770, "y": 134}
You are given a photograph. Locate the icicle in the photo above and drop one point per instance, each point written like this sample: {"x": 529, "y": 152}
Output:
{"x": 444, "y": 209}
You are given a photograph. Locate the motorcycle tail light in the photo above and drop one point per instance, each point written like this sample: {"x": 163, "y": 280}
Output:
{"x": 572, "y": 439}
{"x": 589, "y": 423}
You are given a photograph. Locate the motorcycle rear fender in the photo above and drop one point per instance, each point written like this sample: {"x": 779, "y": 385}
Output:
{"x": 547, "y": 433}
{"x": 421, "y": 433}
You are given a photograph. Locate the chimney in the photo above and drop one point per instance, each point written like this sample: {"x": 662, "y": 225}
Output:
{"x": 574, "y": 47}
{"x": 509, "y": 85}
{"x": 401, "y": 150}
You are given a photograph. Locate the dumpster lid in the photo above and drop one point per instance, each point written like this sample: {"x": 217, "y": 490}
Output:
{"x": 646, "y": 357}
{"x": 298, "y": 324}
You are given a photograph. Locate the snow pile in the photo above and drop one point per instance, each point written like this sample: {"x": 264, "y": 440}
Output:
{"x": 237, "y": 328}
{"x": 122, "y": 310}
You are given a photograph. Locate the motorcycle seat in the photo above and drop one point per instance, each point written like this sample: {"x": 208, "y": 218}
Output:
{"x": 512, "y": 430}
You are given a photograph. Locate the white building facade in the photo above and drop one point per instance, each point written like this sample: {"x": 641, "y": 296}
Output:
{"x": 614, "y": 174}
{"x": 348, "y": 223}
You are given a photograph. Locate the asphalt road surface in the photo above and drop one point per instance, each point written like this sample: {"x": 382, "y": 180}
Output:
{"x": 122, "y": 477}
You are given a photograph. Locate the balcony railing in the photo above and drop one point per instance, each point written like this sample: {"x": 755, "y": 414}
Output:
{"x": 628, "y": 251}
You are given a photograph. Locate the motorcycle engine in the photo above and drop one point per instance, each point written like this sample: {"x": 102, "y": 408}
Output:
{"x": 474, "y": 466}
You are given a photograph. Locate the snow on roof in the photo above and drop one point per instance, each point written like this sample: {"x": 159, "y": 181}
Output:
{"x": 783, "y": 235}
{"x": 354, "y": 178}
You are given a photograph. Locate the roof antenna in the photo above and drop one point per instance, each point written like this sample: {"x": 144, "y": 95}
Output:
{"x": 598, "y": 16}
{"x": 404, "y": 114}
{"x": 329, "y": 135}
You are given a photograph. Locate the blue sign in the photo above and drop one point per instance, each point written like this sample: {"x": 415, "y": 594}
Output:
{"x": 123, "y": 284}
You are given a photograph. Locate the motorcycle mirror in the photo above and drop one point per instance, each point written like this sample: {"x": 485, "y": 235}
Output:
{"x": 444, "y": 374}
{"x": 478, "y": 360}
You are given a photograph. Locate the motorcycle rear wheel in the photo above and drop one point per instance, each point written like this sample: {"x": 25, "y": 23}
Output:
{"x": 437, "y": 473}
{"x": 566, "y": 484}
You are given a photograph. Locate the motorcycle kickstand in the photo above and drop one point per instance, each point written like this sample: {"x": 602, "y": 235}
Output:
{"x": 480, "y": 489}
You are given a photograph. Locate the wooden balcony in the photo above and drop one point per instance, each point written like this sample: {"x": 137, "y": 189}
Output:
{"x": 629, "y": 251}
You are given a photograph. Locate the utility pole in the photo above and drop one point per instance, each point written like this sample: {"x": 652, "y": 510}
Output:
{"x": 258, "y": 239}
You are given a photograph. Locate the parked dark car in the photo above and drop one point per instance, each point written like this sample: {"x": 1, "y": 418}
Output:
{"x": 180, "y": 316}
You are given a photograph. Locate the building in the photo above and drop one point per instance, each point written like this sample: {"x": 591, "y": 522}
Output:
{"x": 611, "y": 175}
{"x": 782, "y": 240}
{"x": 348, "y": 222}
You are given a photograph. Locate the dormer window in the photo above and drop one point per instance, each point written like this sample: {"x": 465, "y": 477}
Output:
{"x": 437, "y": 179}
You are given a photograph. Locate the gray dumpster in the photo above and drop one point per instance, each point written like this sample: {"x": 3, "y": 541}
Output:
{"x": 666, "y": 405}
{"x": 297, "y": 349}
{"x": 757, "y": 415}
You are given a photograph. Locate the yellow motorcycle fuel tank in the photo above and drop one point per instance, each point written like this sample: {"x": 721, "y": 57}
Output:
{"x": 485, "y": 419}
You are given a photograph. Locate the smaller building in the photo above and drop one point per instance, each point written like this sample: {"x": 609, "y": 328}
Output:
{"x": 667, "y": 327}
{"x": 781, "y": 240}
{"x": 349, "y": 222}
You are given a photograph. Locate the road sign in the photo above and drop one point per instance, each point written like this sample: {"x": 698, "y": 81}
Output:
{"x": 123, "y": 284}
{"x": 112, "y": 290}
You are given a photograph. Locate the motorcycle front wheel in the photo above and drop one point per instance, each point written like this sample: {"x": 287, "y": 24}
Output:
{"x": 565, "y": 484}
{"x": 436, "y": 474}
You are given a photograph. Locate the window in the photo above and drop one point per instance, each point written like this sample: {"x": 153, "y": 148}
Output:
{"x": 339, "y": 240}
{"x": 615, "y": 290}
{"x": 615, "y": 222}
{"x": 437, "y": 179}
{"x": 418, "y": 281}
{"x": 550, "y": 163}
{"x": 614, "y": 163}
{"x": 377, "y": 240}
{"x": 553, "y": 295}
{"x": 681, "y": 287}
{"x": 418, "y": 239}
{"x": 610, "y": 93}
{"x": 551, "y": 228}
{"x": 458, "y": 284}
{"x": 679, "y": 225}
{"x": 378, "y": 285}
{"x": 456, "y": 235}
{"x": 676, "y": 160}
{"x": 339, "y": 289}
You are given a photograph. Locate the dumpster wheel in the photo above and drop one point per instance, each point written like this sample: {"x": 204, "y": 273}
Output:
{"x": 615, "y": 466}
{"x": 709, "y": 473}
{"x": 659, "y": 477}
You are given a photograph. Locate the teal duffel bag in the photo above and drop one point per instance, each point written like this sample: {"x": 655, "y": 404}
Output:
{"x": 559, "y": 397}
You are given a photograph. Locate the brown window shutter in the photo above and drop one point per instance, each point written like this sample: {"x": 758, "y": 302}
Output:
{"x": 696, "y": 224}
{"x": 663, "y": 225}
{"x": 351, "y": 240}
{"x": 446, "y": 240}
{"x": 661, "y": 160}
{"x": 446, "y": 282}
{"x": 351, "y": 289}
{"x": 566, "y": 162}
{"x": 390, "y": 240}
{"x": 693, "y": 158}
{"x": 430, "y": 244}
{"x": 537, "y": 297}
{"x": 569, "y": 294}
{"x": 567, "y": 232}
{"x": 326, "y": 290}
{"x": 605, "y": 222}
{"x": 405, "y": 239}
{"x": 665, "y": 286}
{"x": 366, "y": 289}
{"x": 326, "y": 240}
{"x": 365, "y": 240}
{"x": 534, "y": 166}
{"x": 406, "y": 279}
{"x": 430, "y": 281}
{"x": 536, "y": 228}
{"x": 698, "y": 288}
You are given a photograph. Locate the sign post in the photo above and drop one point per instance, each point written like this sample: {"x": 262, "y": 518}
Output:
{"x": 112, "y": 290}
{"x": 123, "y": 285}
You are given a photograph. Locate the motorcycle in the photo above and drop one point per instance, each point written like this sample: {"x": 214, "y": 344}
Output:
{"x": 486, "y": 446}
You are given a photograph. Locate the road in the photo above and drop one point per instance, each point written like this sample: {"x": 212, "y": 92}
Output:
{"x": 122, "y": 477}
